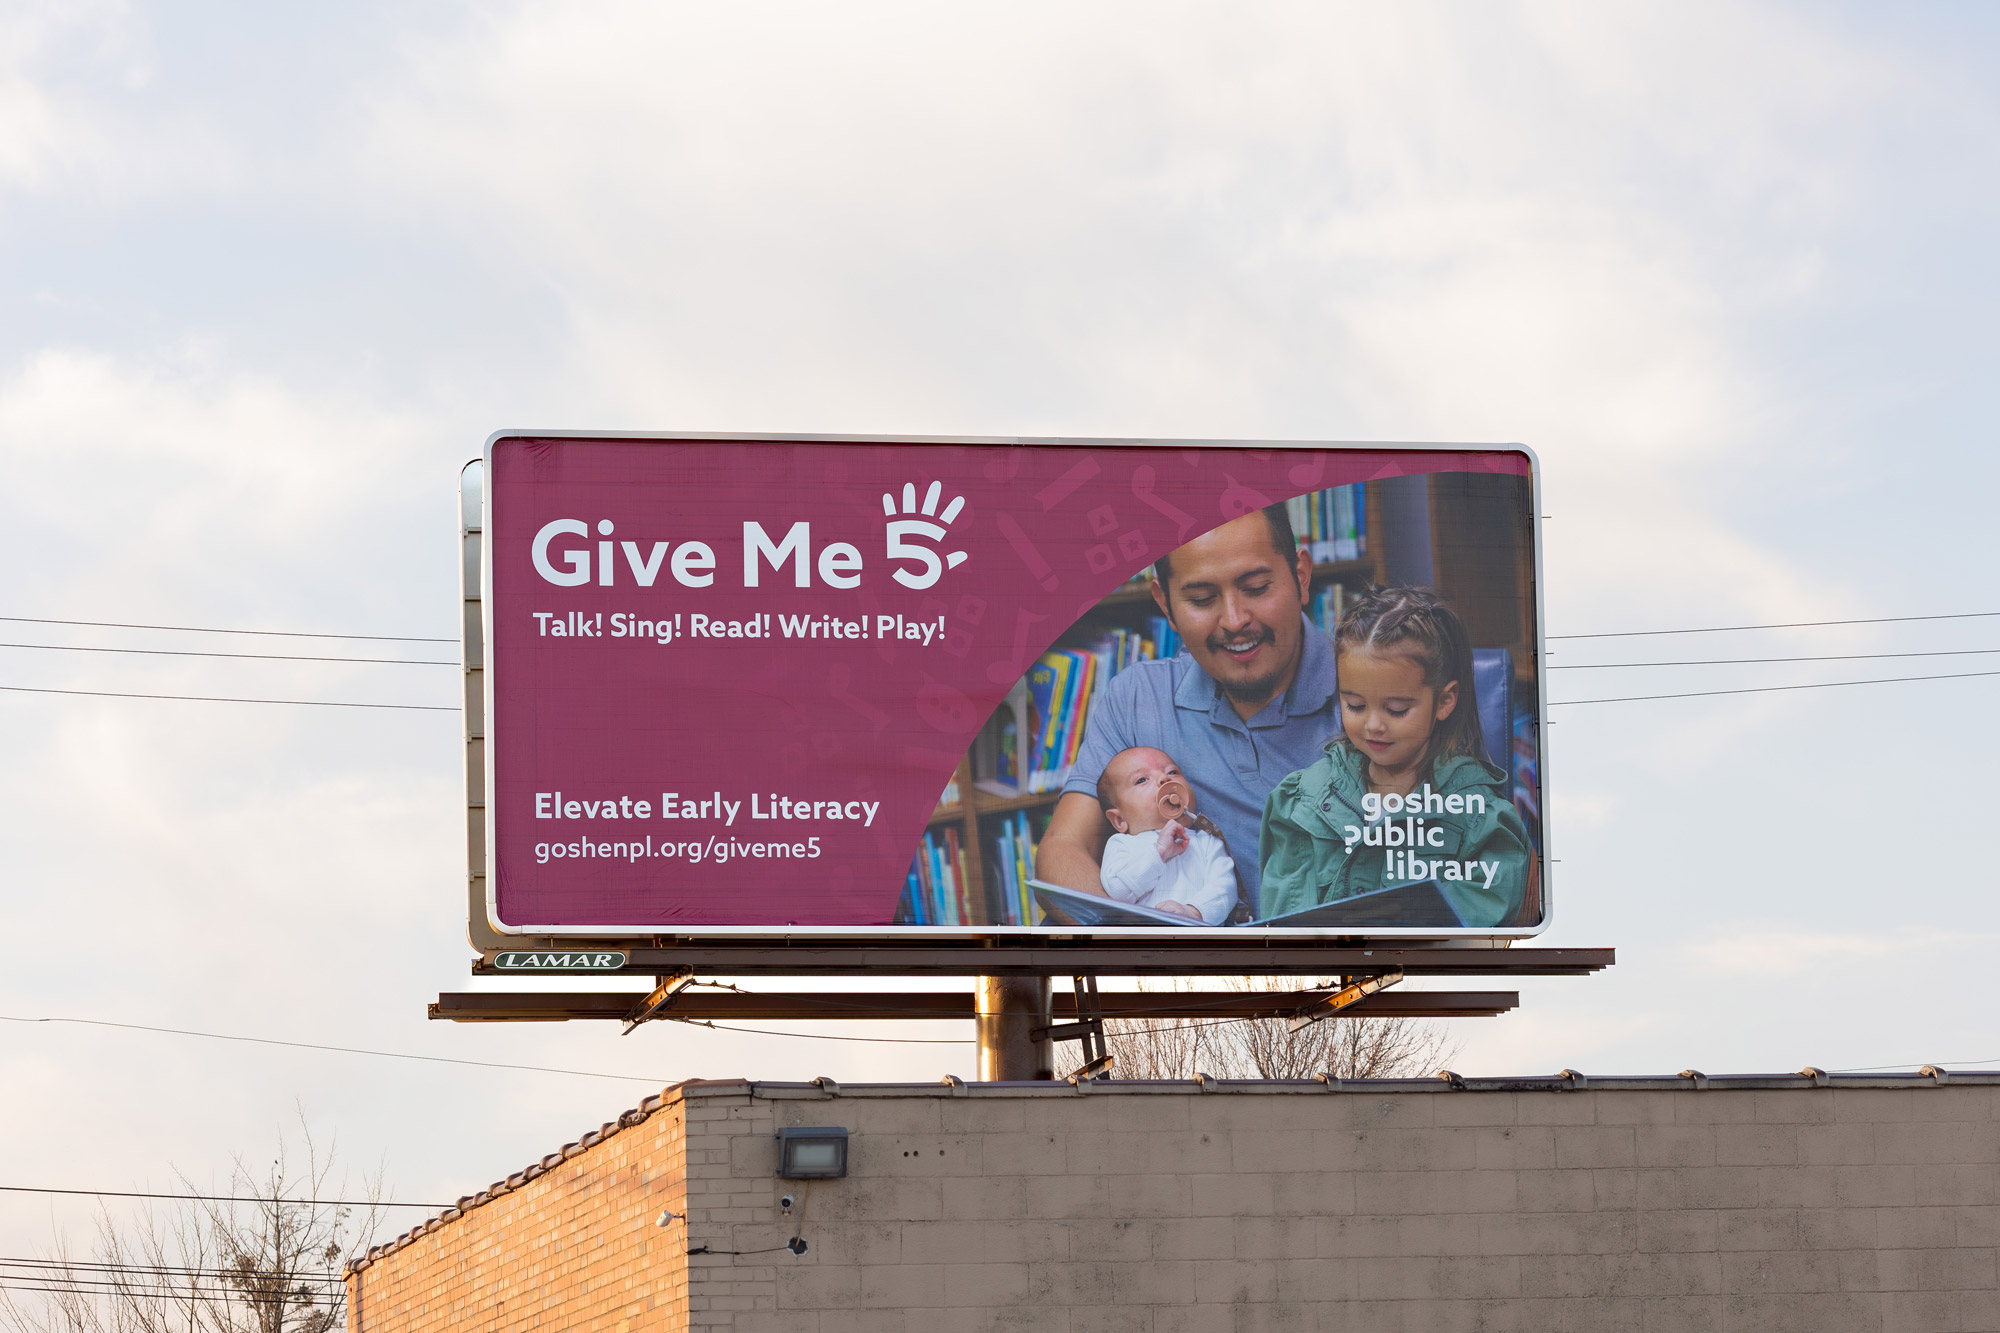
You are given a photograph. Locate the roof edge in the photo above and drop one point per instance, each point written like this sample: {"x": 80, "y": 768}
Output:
{"x": 638, "y": 1115}
{"x": 1444, "y": 1081}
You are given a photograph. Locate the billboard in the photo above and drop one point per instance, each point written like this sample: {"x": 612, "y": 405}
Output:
{"x": 758, "y": 687}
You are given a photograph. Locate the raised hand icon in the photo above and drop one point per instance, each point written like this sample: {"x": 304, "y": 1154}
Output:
{"x": 928, "y": 566}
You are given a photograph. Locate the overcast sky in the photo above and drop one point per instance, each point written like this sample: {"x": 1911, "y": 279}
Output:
{"x": 273, "y": 273}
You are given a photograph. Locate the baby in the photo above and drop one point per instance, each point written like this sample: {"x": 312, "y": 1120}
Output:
{"x": 1164, "y": 855}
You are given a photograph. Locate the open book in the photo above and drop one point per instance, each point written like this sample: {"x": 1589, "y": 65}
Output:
{"x": 1421, "y": 903}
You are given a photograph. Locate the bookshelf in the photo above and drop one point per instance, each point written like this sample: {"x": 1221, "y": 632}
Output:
{"x": 1466, "y": 534}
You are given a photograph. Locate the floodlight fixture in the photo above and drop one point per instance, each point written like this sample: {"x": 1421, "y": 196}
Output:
{"x": 817, "y": 1152}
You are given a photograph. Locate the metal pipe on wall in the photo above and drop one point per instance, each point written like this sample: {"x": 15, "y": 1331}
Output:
{"x": 1008, "y": 1010}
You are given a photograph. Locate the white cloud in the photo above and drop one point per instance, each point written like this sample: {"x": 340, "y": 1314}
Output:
{"x": 38, "y": 128}
{"x": 1781, "y": 952}
{"x": 1319, "y": 221}
{"x": 81, "y": 116}
{"x": 187, "y": 479}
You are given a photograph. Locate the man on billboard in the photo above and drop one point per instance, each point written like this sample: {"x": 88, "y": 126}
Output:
{"x": 1252, "y": 701}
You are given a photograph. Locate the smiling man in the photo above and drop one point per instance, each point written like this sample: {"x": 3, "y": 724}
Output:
{"x": 1251, "y": 701}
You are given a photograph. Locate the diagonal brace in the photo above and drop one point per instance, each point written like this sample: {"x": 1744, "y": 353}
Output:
{"x": 1097, "y": 1057}
{"x": 1347, "y": 995}
{"x": 662, "y": 996}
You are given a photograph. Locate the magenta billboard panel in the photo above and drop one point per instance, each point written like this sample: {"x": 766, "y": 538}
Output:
{"x": 888, "y": 687}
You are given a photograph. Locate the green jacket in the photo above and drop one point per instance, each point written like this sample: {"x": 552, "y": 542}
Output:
{"x": 1303, "y": 845}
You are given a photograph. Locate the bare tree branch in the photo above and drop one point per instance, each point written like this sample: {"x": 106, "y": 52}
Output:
{"x": 1148, "y": 1048}
{"x": 270, "y": 1265}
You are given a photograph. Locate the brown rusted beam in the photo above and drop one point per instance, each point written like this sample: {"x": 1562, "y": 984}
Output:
{"x": 732, "y": 1006}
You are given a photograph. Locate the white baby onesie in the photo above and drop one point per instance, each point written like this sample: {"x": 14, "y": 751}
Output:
{"x": 1202, "y": 877}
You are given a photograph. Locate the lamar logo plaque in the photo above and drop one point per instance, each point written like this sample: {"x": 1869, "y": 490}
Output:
{"x": 602, "y": 960}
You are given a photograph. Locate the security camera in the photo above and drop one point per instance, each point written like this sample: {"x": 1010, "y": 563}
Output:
{"x": 785, "y": 1202}
{"x": 666, "y": 1219}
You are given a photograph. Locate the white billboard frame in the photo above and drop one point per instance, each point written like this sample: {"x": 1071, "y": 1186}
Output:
{"x": 1166, "y": 936}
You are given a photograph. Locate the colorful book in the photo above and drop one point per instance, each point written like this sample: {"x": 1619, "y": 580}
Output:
{"x": 1007, "y": 751}
{"x": 1014, "y": 845}
{"x": 1043, "y": 696}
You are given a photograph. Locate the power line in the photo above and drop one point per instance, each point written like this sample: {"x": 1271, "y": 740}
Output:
{"x": 446, "y": 708}
{"x": 1752, "y": 661}
{"x": 157, "y": 1270}
{"x": 345, "y": 1050}
{"x": 225, "y": 699}
{"x": 818, "y": 1036}
{"x": 1790, "y": 624}
{"x": 56, "y": 1287}
{"x": 1157, "y": 1025}
{"x": 219, "y": 1198}
{"x": 404, "y": 638}
{"x": 1769, "y": 689}
{"x": 1554, "y": 703}
{"x": 205, "y": 629}
{"x": 1222, "y": 1000}
{"x": 1936, "y": 1064}
{"x": 256, "y": 657}
{"x": 57, "y": 1284}
{"x": 543, "y": 1069}
{"x": 150, "y": 1280}
{"x": 416, "y": 661}
{"x": 154, "y": 1281}
{"x": 1153, "y": 1025}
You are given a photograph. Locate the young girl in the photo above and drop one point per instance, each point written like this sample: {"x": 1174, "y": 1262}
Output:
{"x": 1406, "y": 793}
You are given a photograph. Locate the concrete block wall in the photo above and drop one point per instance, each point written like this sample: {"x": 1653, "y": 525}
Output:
{"x": 1766, "y": 1204}
{"x": 1793, "y": 1202}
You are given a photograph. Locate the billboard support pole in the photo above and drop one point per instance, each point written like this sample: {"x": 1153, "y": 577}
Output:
{"x": 1008, "y": 1010}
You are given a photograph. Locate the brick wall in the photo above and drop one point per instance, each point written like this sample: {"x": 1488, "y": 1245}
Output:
{"x": 566, "y": 1243}
{"x": 1792, "y": 1202}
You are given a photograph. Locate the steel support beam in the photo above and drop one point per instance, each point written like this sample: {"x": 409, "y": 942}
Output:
{"x": 1005, "y": 1007}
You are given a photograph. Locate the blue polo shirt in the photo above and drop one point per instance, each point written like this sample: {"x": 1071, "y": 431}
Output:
{"x": 1232, "y": 765}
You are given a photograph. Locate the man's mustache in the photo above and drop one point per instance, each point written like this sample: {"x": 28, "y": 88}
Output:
{"x": 1265, "y": 634}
